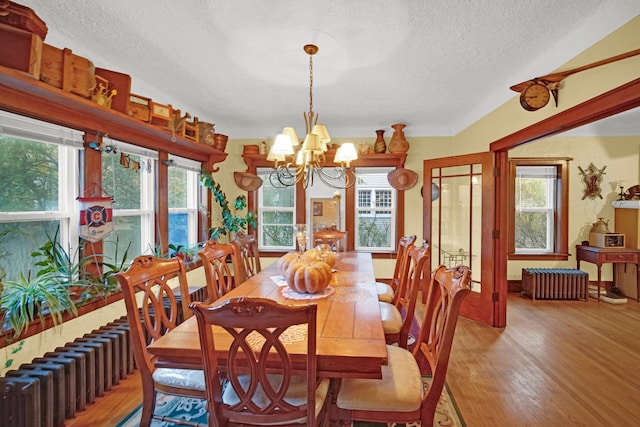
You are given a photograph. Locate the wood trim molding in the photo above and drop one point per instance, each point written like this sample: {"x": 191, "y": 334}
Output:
{"x": 24, "y": 95}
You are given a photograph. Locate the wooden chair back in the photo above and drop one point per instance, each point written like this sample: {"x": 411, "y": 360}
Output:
{"x": 415, "y": 270}
{"x": 333, "y": 237}
{"x": 404, "y": 244}
{"x": 217, "y": 271}
{"x": 153, "y": 313}
{"x": 248, "y": 257}
{"x": 258, "y": 329}
{"x": 447, "y": 290}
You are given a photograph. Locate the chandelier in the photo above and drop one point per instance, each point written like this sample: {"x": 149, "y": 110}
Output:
{"x": 294, "y": 163}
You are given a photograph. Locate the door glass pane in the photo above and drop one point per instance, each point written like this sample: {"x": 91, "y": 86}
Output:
{"x": 457, "y": 219}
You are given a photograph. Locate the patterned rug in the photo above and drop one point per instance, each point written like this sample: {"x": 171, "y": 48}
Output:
{"x": 195, "y": 410}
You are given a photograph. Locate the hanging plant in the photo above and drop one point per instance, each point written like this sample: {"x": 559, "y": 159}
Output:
{"x": 232, "y": 222}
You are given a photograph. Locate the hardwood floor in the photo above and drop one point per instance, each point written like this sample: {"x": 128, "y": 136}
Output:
{"x": 557, "y": 363}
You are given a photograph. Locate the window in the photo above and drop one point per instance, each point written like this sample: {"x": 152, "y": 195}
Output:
{"x": 539, "y": 207}
{"x": 184, "y": 196}
{"x": 127, "y": 176}
{"x": 276, "y": 214}
{"x": 39, "y": 175}
{"x": 375, "y": 209}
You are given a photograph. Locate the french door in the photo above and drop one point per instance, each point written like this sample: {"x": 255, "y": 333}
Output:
{"x": 459, "y": 223}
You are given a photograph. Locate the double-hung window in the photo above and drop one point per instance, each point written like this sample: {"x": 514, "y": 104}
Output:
{"x": 277, "y": 213}
{"x": 39, "y": 176}
{"x": 184, "y": 198}
{"x": 375, "y": 205}
{"x": 539, "y": 208}
{"x": 128, "y": 176}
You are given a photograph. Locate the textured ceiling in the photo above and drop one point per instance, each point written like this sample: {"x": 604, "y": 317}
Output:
{"x": 436, "y": 65}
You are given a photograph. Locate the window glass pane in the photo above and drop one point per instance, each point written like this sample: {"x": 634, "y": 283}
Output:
{"x": 531, "y": 230}
{"x": 18, "y": 240}
{"x": 120, "y": 182}
{"x": 29, "y": 175}
{"x": 375, "y": 229}
{"x": 179, "y": 229}
{"x": 177, "y": 188}
{"x": 534, "y": 208}
{"x": 126, "y": 230}
{"x": 276, "y": 214}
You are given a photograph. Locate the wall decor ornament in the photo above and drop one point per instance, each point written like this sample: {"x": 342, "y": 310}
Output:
{"x": 592, "y": 178}
{"x": 380, "y": 146}
{"x": 398, "y": 143}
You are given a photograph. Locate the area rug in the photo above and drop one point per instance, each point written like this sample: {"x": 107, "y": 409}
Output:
{"x": 195, "y": 410}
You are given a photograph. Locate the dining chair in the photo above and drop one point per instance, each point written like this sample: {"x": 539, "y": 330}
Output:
{"x": 248, "y": 256}
{"x": 333, "y": 237}
{"x": 386, "y": 291}
{"x": 220, "y": 277}
{"x": 382, "y": 400}
{"x": 263, "y": 386}
{"x": 397, "y": 317}
{"x": 152, "y": 314}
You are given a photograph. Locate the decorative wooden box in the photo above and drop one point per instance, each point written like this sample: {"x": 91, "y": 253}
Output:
{"x": 139, "y": 107}
{"x": 160, "y": 114}
{"x": 122, "y": 84}
{"x": 69, "y": 72}
{"x": 21, "y": 36}
{"x": 606, "y": 240}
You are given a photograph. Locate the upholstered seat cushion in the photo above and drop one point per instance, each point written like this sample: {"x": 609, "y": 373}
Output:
{"x": 391, "y": 318}
{"x": 184, "y": 378}
{"x": 385, "y": 292}
{"x": 400, "y": 388}
{"x": 296, "y": 393}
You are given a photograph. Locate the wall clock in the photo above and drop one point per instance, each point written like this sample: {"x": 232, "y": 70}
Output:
{"x": 534, "y": 97}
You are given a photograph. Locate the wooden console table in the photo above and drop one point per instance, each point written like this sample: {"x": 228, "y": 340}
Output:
{"x": 599, "y": 256}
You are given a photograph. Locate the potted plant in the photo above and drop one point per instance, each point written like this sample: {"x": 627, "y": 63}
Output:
{"x": 232, "y": 222}
{"x": 185, "y": 252}
{"x": 25, "y": 299}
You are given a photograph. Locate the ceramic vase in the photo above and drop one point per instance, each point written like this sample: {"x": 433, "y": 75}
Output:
{"x": 398, "y": 143}
{"x": 380, "y": 146}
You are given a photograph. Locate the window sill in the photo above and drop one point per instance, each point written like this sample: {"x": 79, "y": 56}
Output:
{"x": 539, "y": 257}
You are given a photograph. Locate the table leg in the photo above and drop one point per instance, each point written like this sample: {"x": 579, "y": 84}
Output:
{"x": 599, "y": 280}
{"x": 638, "y": 282}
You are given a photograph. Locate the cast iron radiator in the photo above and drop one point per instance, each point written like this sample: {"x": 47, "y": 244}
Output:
{"x": 61, "y": 383}
{"x": 55, "y": 387}
{"x": 554, "y": 283}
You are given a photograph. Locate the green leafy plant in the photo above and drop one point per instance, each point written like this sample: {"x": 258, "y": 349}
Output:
{"x": 232, "y": 222}
{"x": 58, "y": 265}
{"x": 186, "y": 252}
{"x": 25, "y": 299}
{"x": 103, "y": 283}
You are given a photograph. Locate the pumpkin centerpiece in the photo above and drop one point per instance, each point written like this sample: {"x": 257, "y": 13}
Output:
{"x": 305, "y": 273}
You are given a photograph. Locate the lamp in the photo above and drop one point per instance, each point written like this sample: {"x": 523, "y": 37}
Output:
{"x": 294, "y": 162}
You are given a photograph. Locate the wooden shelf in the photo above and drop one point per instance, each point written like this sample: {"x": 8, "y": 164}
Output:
{"x": 396, "y": 160}
{"x": 22, "y": 94}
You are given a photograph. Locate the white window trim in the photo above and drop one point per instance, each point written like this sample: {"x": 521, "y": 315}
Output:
{"x": 393, "y": 209}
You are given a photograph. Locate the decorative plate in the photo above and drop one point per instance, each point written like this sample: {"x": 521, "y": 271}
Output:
{"x": 287, "y": 292}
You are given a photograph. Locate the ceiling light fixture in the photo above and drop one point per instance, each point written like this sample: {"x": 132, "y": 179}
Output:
{"x": 294, "y": 163}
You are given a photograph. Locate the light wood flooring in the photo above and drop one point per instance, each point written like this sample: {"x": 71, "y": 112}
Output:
{"x": 557, "y": 363}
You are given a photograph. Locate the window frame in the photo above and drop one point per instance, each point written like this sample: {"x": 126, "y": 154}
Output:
{"x": 194, "y": 197}
{"x": 560, "y": 240}
{"x": 262, "y": 171}
{"x": 357, "y": 208}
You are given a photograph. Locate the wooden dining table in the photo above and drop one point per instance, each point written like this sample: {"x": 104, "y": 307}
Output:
{"x": 350, "y": 338}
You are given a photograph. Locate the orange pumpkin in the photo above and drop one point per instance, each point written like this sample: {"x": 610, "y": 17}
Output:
{"x": 306, "y": 276}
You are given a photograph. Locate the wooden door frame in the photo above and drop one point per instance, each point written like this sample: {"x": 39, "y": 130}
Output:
{"x": 617, "y": 100}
